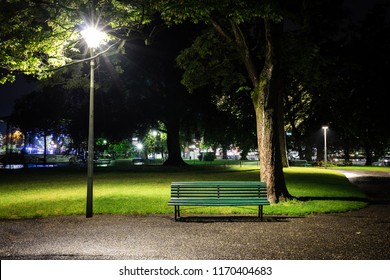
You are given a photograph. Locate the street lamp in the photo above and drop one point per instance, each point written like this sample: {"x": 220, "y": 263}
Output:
{"x": 325, "y": 154}
{"x": 93, "y": 37}
{"x": 140, "y": 146}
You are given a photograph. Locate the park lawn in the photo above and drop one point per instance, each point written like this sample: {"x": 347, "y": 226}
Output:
{"x": 30, "y": 193}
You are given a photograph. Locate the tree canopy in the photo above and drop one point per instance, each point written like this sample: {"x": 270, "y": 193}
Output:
{"x": 39, "y": 37}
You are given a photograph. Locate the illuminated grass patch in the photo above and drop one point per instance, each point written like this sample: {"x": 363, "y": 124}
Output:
{"x": 40, "y": 193}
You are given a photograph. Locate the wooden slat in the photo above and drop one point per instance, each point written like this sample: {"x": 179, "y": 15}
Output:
{"x": 216, "y": 195}
{"x": 218, "y": 202}
{"x": 210, "y": 191}
{"x": 215, "y": 183}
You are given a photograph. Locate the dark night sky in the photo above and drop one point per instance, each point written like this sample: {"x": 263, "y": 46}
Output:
{"x": 360, "y": 7}
{"x": 10, "y": 92}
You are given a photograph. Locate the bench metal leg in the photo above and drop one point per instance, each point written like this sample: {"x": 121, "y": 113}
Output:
{"x": 177, "y": 212}
{"x": 261, "y": 213}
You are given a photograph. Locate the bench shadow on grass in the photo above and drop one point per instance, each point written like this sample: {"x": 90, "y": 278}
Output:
{"x": 325, "y": 198}
{"x": 359, "y": 199}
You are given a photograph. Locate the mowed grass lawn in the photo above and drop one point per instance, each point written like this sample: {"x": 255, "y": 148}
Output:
{"x": 28, "y": 193}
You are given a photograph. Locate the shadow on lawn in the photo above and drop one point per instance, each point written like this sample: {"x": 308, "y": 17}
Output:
{"x": 325, "y": 198}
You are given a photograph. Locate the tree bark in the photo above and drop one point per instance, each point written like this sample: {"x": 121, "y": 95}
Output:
{"x": 267, "y": 97}
{"x": 267, "y": 102}
{"x": 173, "y": 143}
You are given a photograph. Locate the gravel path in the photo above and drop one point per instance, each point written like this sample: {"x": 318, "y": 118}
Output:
{"x": 363, "y": 234}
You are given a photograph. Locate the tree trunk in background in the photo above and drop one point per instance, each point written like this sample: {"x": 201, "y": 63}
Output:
{"x": 173, "y": 142}
{"x": 45, "y": 147}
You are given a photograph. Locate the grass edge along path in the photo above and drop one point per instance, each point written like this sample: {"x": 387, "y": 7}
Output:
{"x": 49, "y": 192}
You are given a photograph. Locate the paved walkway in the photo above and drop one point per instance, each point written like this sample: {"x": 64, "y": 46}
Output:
{"x": 362, "y": 234}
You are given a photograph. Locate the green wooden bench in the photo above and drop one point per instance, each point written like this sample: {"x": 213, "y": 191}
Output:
{"x": 218, "y": 193}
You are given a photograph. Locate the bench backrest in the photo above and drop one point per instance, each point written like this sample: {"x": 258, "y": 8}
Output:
{"x": 219, "y": 189}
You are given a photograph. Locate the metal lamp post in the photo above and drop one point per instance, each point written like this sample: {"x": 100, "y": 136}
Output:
{"x": 93, "y": 37}
{"x": 325, "y": 152}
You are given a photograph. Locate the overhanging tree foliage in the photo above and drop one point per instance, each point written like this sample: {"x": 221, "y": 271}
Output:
{"x": 38, "y": 37}
{"x": 236, "y": 23}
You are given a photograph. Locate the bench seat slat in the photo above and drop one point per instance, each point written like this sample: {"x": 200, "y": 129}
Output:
{"x": 199, "y": 187}
{"x": 208, "y": 185}
{"x": 220, "y": 193}
{"x": 217, "y": 188}
{"x": 220, "y": 201}
{"x": 226, "y": 184}
{"x": 216, "y": 197}
{"x": 242, "y": 196}
{"x": 216, "y": 192}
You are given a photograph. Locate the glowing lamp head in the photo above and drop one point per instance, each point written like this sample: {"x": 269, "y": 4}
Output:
{"x": 140, "y": 146}
{"x": 93, "y": 37}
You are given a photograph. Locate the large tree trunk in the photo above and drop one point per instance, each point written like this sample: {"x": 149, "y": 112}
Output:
{"x": 267, "y": 98}
{"x": 368, "y": 153}
{"x": 267, "y": 102}
{"x": 173, "y": 142}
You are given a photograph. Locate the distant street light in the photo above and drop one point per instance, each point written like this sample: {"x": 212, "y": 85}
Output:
{"x": 325, "y": 154}
{"x": 93, "y": 37}
{"x": 140, "y": 146}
